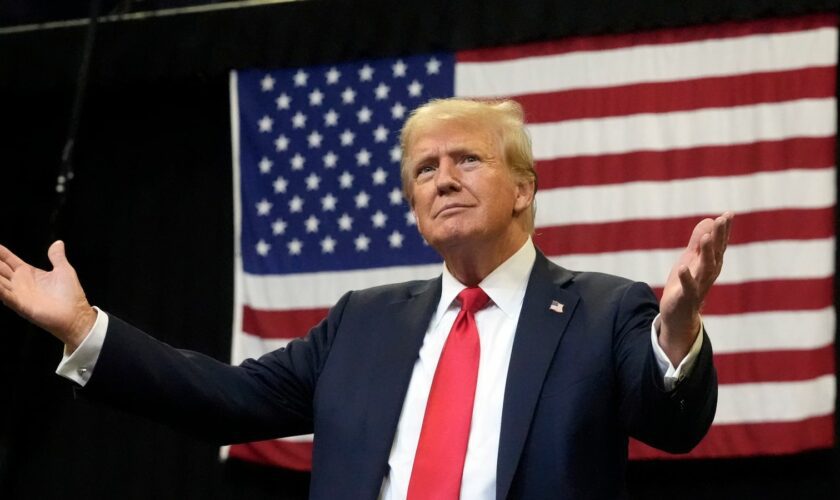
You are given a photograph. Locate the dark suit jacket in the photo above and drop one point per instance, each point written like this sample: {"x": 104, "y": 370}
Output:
{"x": 579, "y": 383}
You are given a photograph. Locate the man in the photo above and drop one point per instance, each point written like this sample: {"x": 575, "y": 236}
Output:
{"x": 410, "y": 391}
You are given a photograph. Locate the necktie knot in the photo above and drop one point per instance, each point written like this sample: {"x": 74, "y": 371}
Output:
{"x": 473, "y": 299}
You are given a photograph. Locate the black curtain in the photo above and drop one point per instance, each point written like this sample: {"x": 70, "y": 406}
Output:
{"x": 148, "y": 221}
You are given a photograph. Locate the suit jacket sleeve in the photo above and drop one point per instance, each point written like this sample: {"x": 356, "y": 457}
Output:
{"x": 674, "y": 421}
{"x": 260, "y": 399}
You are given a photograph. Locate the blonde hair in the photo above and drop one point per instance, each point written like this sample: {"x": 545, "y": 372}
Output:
{"x": 504, "y": 117}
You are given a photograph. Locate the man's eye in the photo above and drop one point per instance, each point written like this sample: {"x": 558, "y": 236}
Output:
{"x": 470, "y": 159}
{"x": 424, "y": 170}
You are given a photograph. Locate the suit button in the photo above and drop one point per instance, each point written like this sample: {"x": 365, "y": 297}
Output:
{"x": 682, "y": 405}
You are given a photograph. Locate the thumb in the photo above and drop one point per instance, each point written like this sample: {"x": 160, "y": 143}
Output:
{"x": 56, "y": 254}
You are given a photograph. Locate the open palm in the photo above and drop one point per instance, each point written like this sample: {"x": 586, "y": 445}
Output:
{"x": 53, "y": 300}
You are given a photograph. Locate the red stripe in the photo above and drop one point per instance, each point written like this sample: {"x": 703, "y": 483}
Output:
{"x": 774, "y": 295}
{"x": 774, "y": 366}
{"x": 663, "y": 97}
{"x": 658, "y": 37}
{"x": 271, "y": 324}
{"x": 689, "y": 163}
{"x": 740, "y": 440}
{"x": 290, "y": 455}
{"x": 792, "y": 224}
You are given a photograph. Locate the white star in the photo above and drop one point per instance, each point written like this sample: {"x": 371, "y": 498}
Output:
{"x": 265, "y": 165}
{"x": 281, "y": 143}
{"x": 300, "y": 78}
{"x": 296, "y": 204}
{"x": 347, "y": 137}
{"x": 398, "y": 111}
{"x": 415, "y": 88}
{"x": 328, "y": 203}
{"x": 328, "y": 245}
{"x": 299, "y": 120}
{"x": 379, "y": 176}
{"x": 362, "y": 243}
{"x": 399, "y": 68}
{"x": 280, "y": 185}
{"x": 381, "y": 91}
{"x": 265, "y": 124}
{"x": 396, "y": 154}
{"x": 330, "y": 159}
{"x": 378, "y": 219}
{"x": 314, "y": 139}
{"x": 295, "y": 246}
{"x": 364, "y": 114}
{"x": 297, "y": 161}
{"x": 345, "y": 222}
{"x": 395, "y": 239}
{"x": 263, "y": 248}
{"x": 264, "y": 207}
{"x": 363, "y": 157}
{"x": 366, "y": 73}
{"x": 362, "y": 199}
{"x": 395, "y": 196}
{"x": 348, "y": 96}
{"x": 312, "y": 182}
{"x": 279, "y": 227}
{"x": 316, "y": 97}
{"x": 331, "y": 118}
{"x": 380, "y": 134}
{"x": 346, "y": 180}
{"x": 283, "y": 101}
{"x": 409, "y": 219}
{"x": 311, "y": 224}
{"x": 332, "y": 76}
{"x": 267, "y": 83}
{"x": 432, "y": 66}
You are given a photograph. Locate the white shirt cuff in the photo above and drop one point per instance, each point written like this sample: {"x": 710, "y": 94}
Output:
{"x": 79, "y": 365}
{"x": 670, "y": 374}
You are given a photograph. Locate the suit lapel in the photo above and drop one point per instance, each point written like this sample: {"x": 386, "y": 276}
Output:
{"x": 396, "y": 355}
{"x": 541, "y": 326}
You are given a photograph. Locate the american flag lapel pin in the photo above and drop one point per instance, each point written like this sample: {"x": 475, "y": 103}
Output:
{"x": 556, "y": 307}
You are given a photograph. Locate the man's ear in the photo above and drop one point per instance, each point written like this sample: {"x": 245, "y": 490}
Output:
{"x": 525, "y": 192}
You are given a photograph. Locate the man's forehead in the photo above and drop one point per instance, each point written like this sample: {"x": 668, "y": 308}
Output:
{"x": 449, "y": 136}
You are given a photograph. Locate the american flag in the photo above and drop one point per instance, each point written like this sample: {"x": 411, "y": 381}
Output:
{"x": 636, "y": 137}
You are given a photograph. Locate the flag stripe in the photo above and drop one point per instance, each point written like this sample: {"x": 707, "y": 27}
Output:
{"x": 684, "y": 95}
{"x": 771, "y": 330}
{"x": 279, "y": 323}
{"x": 775, "y": 401}
{"x": 290, "y": 455}
{"x": 664, "y": 36}
{"x": 795, "y": 188}
{"x": 644, "y": 63}
{"x": 684, "y": 129}
{"x": 801, "y": 224}
{"x": 774, "y": 366}
{"x": 688, "y": 163}
{"x": 738, "y": 440}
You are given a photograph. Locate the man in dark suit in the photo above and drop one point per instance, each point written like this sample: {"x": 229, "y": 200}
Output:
{"x": 551, "y": 371}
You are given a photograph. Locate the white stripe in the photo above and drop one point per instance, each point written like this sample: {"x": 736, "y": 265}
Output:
{"x": 771, "y": 331}
{"x": 775, "y": 401}
{"x": 684, "y": 129}
{"x": 808, "y": 188}
{"x": 768, "y": 260}
{"x": 648, "y": 63}
{"x": 252, "y": 346}
{"x": 311, "y": 290}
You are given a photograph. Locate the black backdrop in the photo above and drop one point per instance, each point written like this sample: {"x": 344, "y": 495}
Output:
{"x": 148, "y": 221}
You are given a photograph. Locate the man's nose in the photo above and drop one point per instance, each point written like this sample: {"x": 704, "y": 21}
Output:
{"x": 448, "y": 176}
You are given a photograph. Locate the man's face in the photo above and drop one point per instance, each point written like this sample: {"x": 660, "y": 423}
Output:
{"x": 463, "y": 193}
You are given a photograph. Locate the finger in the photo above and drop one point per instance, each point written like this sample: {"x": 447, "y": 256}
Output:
{"x": 702, "y": 227}
{"x": 56, "y": 254}
{"x": 689, "y": 284}
{"x": 720, "y": 240}
{"x": 5, "y": 270}
{"x": 12, "y": 260}
{"x": 706, "y": 266}
{"x": 5, "y": 284}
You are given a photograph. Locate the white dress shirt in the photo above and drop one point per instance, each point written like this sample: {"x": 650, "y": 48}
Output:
{"x": 496, "y": 328}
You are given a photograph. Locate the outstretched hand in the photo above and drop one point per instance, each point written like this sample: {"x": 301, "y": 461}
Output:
{"x": 689, "y": 282}
{"x": 53, "y": 300}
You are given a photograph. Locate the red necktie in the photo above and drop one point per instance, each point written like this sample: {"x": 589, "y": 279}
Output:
{"x": 439, "y": 460}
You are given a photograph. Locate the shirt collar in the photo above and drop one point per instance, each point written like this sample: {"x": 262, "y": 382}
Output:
{"x": 505, "y": 285}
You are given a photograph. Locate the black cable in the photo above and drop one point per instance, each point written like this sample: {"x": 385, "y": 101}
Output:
{"x": 66, "y": 169}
